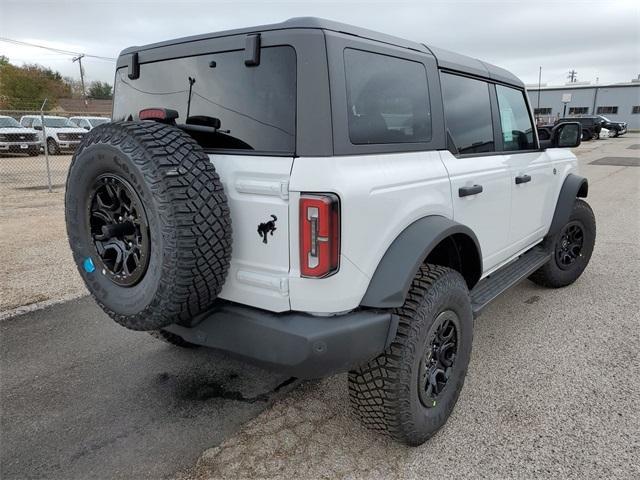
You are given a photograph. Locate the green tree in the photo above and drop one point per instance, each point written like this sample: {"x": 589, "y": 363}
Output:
{"x": 24, "y": 88}
{"x": 100, "y": 90}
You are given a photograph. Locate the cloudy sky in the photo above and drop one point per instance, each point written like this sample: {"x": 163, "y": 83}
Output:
{"x": 599, "y": 39}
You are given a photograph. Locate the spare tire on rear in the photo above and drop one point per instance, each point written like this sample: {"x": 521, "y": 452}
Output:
{"x": 148, "y": 223}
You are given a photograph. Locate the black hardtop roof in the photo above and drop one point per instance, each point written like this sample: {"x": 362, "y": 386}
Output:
{"x": 445, "y": 58}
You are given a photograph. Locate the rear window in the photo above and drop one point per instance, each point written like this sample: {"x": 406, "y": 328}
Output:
{"x": 256, "y": 105}
{"x": 387, "y": 98}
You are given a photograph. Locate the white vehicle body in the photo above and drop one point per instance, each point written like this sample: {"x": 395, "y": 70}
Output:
{"x": 65, "y": 136}
{"x": 604, "y": 133}
{"x": 382, "y": 189}
{"x": 16, "y": 139}
{"x": 88, "y": 123}
{"x": 419, "y": 184}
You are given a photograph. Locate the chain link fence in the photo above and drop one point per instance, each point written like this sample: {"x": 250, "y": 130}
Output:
{"x": 24, "y": 164}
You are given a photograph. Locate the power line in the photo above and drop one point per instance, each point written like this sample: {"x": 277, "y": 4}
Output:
{"x": 57, "y": 50}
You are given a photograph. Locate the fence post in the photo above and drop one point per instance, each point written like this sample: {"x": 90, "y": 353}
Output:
{"x": 46, "y": 148}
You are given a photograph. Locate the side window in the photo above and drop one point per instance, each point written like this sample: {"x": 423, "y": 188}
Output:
{"x": 387, "y": 99}
{"x": 27, "y": 122}
{"x": 517, "y": 129}
{"x": 467, "y": 112}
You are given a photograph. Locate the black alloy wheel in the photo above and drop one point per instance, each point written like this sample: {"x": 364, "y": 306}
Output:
{"x": 119, "y": 230}
{"x": 569, "y": 246}
{"x": 439, "y": 358}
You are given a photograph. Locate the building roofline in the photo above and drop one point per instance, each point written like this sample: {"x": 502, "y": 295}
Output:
{"x": 534, "y": 88}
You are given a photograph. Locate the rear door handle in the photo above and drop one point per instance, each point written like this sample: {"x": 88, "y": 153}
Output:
{"x": 523, "y": 179}
{"x": 466, "y": 191}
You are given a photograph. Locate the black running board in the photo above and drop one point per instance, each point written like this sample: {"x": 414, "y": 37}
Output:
{"x": 506, "y": 277}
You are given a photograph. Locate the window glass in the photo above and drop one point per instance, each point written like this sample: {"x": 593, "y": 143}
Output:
{"x": 256, "y": 105}
{"x": 467, "y": 111}
{"x": 94, "y": 122}
{"x": 578, "y": 110}
{"x": 517, "y": 129}
{"x": 609, "y": 110}
{"x": 387, "y": 99}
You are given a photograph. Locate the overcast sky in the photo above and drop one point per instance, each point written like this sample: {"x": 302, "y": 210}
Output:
{"x": 596, "y": 38}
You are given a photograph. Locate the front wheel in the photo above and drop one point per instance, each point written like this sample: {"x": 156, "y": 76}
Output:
{"x": 586, "y": 136}
{"x": 571, "y": 247}
{"x": 613, "y": 133}
{"x": 409, "y": 391}
{"x": 52, "y": 147}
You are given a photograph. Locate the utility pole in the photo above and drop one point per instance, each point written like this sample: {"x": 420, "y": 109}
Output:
{"x": 539, "y": 85}
{"x": 84, "y": 95}
{"x": 573, "y": 76}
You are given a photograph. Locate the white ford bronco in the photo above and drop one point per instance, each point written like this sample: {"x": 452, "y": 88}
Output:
{"x": 319, "y": 198}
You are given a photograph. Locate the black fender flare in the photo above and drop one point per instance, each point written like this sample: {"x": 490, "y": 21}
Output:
{"x": 574, "y": 186}
{"x": 395, "y": 272}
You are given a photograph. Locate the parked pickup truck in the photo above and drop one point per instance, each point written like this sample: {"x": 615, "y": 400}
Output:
{"x": 615, "y": 128}
{"x": 14, "y": 138}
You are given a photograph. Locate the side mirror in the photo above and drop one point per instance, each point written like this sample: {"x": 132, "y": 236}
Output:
{"x": 87, "y": 127}
{"x": 37, "y": 127}
{"x": 562, "y": 135}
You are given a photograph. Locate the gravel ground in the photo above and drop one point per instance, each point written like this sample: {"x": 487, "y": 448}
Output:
{"x": 553, "y": 389}
{"x": 35, "y": 261}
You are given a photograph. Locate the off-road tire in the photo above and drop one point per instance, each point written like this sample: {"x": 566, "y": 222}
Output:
{"x": 172, "y": 339}
{"x": 551, "y": 274}
{"x": 384, "y": 393}
{"x": 189, "y": 226}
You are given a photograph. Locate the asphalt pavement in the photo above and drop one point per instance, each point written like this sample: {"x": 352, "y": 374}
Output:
{"x": 82, "y": 398}
{"x": 552, "y": 391}
{"x": 553, "y": 388}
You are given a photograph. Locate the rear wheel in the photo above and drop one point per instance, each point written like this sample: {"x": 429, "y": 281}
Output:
{"x": 409, "y": 391}
{"x": 148, "y": 223}
{"x": 571, "y": 247}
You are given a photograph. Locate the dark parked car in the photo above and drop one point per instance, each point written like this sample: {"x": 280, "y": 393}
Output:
{"x": 591, "y": 126}
{"x": 615, "y": 128}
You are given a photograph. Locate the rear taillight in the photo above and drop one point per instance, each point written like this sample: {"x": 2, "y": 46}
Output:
{"x": 319, "y": 235}
{"x": 158, "y": 114}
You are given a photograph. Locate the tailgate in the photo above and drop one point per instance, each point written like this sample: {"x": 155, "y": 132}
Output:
{"x": 257, "y": 189}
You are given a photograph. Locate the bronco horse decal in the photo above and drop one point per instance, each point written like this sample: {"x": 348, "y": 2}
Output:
{"x": 267, "y": 228}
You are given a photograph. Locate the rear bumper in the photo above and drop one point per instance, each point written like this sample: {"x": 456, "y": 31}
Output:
{"x": 294, "y": 343}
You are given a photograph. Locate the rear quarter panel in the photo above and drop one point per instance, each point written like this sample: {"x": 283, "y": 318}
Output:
{"x": 380, "y": 195}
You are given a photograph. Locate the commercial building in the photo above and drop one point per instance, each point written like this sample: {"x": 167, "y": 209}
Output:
{"x": 619, "y": 102}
